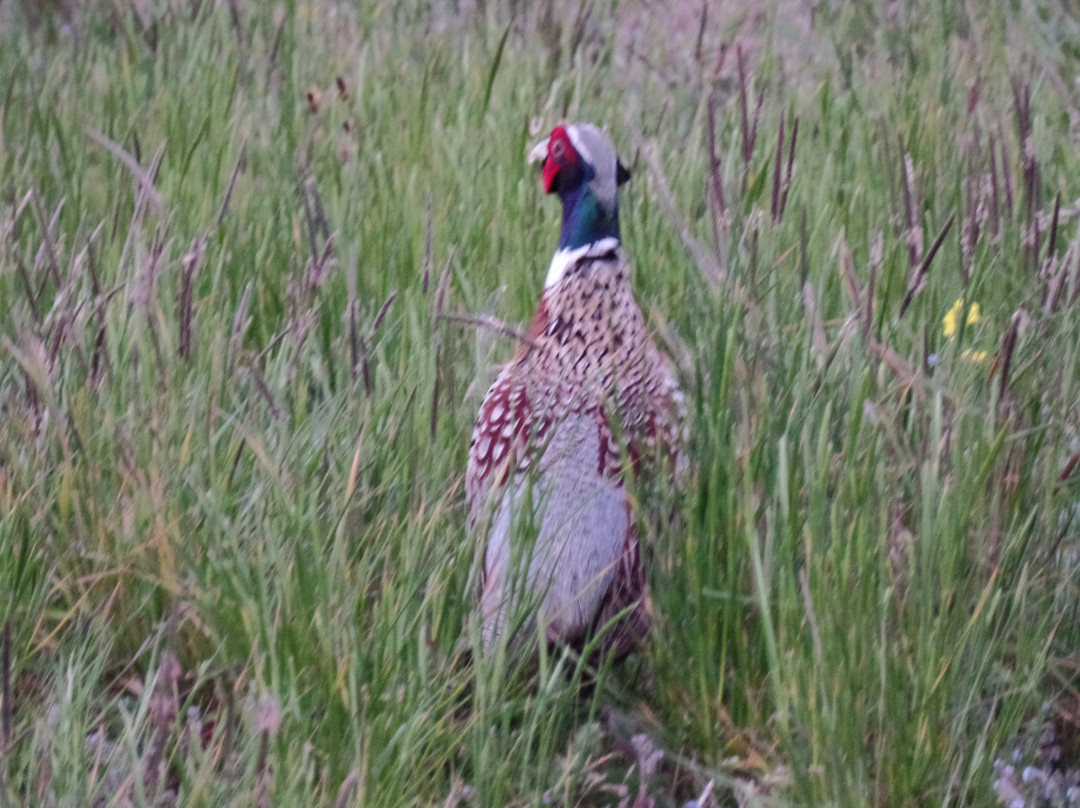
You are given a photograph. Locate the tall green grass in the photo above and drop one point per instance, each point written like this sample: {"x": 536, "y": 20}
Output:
{"x": 233, "y": 420}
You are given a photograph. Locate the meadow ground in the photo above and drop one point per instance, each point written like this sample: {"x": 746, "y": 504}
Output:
{"x": 240, "y": 247}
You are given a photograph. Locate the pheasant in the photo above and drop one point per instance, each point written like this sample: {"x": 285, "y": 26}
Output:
{"x": 586, "y": 399}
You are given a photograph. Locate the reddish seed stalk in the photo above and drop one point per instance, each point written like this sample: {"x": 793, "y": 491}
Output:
{"x": 716, "y": 179}
{"x": 1054, "y": 226}
{"x": 909, "y": 213}
{"x": 190, "y": 267}
{"x": 1075, "y": 289}
{"x": 46, "y": 239}
{"x": 1006, "y": 176}
{"x": 868, "y": 320}
{"x": 264, "y": 390}
{"x": 775, "y": 208}
{"x": 232, "y": 184}
{"x": 790, "y": 165}
{"x": 99, "y": 356}
{"x": 426, "y": 274}
{"x": 435, "y": 392}
{"x": 746, "y": 146}
{"x": 5, "y": 688}
{"x": 365, "y": 368}
{"x": 1070, "y": 467}
{"x": 995, "y": 203}
{"x": 354, "y": 341}
{"x": 382, "y": 312}
{"x": 1008, "y": 344}
{"x": 917, "y": 278}
{"x": 353, "y": 306}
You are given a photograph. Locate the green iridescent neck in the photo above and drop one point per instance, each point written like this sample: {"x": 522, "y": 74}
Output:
{"x": 585, "y": 219}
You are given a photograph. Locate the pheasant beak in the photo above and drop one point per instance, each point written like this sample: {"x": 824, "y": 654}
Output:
{"x": 538, "y": 153}
{"x": 549, "y": 168}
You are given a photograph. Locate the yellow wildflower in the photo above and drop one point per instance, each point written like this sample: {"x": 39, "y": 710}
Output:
{"x": 949, "y": 323}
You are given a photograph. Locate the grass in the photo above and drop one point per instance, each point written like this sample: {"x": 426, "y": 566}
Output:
{"x": 233, "y": 420}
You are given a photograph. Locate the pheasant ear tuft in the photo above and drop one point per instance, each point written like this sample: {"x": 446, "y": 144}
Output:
{"x": 622, "y": 173}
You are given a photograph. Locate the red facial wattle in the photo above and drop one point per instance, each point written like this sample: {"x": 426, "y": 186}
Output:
{"x": 560, "y": 154}
{"x": 550, "y": 172}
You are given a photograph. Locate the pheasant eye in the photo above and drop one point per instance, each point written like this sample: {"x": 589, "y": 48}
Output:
{"x": 558, "y": 150}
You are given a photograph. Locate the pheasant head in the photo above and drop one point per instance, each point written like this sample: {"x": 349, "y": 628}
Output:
{"x": 580, "y": 165}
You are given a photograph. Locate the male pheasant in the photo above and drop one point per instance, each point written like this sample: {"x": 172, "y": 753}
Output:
{"x": 586, "y": 399}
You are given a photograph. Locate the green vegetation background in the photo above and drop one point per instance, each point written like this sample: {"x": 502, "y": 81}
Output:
{"x": 234, "y": 413}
